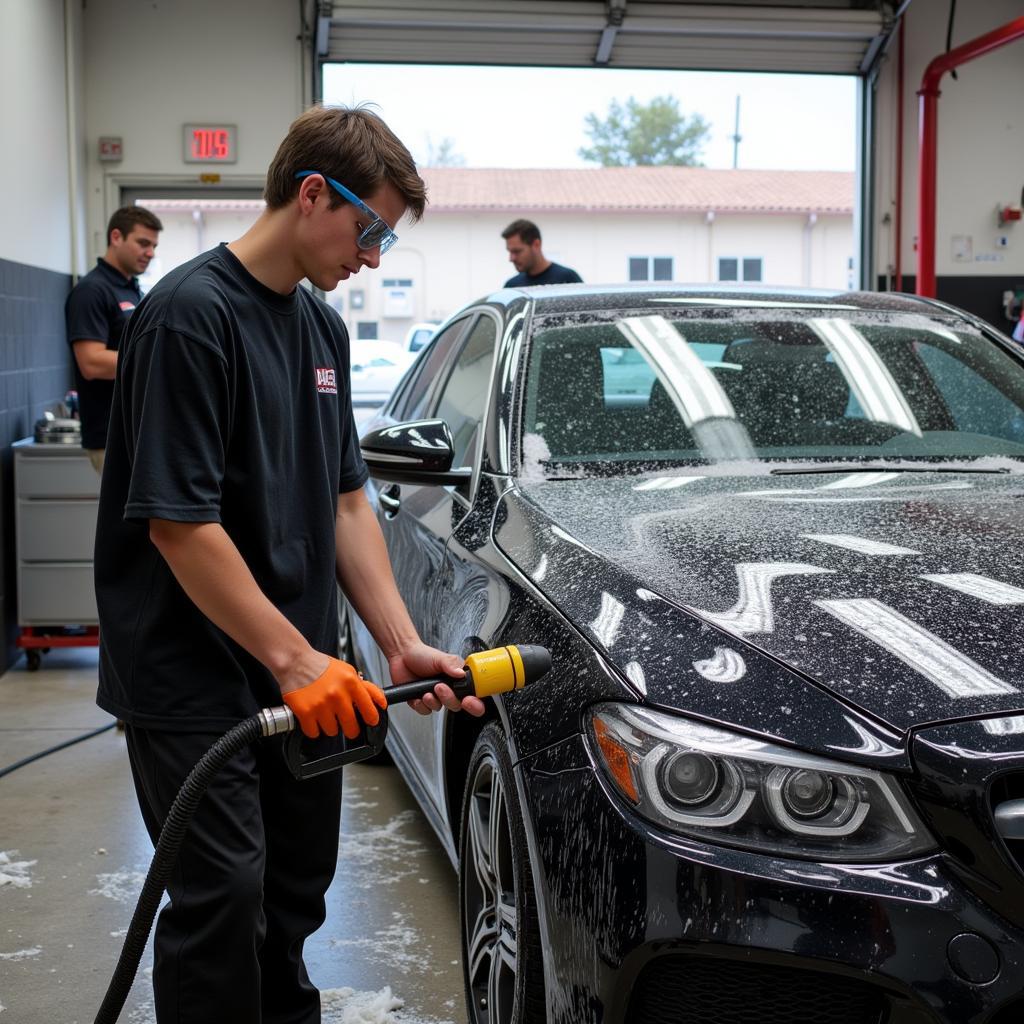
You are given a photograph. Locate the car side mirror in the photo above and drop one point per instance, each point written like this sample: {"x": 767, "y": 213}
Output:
{"x": 419, "y": 452}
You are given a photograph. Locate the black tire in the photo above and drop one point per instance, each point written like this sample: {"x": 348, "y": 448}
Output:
{"x": 502, "y": 963}
{"x": 33, "y": 659}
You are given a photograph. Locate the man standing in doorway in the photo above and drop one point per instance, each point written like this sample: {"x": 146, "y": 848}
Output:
{"x": 522, "y": 240}
{"x": 231, "y": 508}
{"x": 96, "y": 312}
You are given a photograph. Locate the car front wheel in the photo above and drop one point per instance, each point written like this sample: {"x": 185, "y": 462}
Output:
{"x": 501, "y": 953}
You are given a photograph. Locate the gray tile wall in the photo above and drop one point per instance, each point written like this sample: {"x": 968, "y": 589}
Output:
{"x": 35, "y": 373}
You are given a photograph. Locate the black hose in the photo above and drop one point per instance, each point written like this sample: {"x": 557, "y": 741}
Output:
{"x": 171, "y": 836}
{"x": 53, "y": 750}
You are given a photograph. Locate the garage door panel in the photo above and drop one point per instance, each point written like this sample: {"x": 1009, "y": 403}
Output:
{"x": 575, "y": 15}
{"x": 463, "y": 47}
{"x": 747, "y": 55}
{"x": 566, "y": 33}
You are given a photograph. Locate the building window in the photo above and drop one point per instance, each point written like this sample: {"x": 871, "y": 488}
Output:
{"x": 366, "y": 330}
{"x": 398, "y": 298}
{"x": 735, "y": 268}
{"x": 650, "y": 268}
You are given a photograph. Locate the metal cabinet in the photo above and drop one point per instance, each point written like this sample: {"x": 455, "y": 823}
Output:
{"x": 56, "y": 498}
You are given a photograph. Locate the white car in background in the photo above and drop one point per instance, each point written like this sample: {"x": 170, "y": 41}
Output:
{"x": 419, "y": 334}
{"x": 377, "y": 366}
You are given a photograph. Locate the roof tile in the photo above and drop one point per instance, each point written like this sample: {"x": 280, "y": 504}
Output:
{"x": 639, "y": 189}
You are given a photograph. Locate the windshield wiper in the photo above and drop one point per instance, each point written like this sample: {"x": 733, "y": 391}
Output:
{"x": 843, "y": 467}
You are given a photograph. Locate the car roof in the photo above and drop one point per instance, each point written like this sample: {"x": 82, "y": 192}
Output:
{"x": 569, "y": 298}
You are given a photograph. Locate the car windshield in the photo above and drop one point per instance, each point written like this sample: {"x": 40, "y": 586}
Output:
{"x": 613, "y": 393}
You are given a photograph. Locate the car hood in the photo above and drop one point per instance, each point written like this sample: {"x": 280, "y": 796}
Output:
{"x": 900, "y": 593}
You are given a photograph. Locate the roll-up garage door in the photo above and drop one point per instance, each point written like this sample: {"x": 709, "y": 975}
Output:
{"x": 826, "y": 36}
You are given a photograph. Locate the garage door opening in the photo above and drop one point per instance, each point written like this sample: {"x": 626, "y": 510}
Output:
{"x": 497, "y": 116}
{"x": 765, "y": 194}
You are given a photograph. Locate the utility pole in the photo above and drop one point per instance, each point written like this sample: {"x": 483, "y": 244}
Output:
{"x": 736, "y": 137}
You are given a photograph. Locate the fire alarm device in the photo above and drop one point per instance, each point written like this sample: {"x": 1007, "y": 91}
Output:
{"x": 109, "y": 148}
{"x": 209, "y": 144}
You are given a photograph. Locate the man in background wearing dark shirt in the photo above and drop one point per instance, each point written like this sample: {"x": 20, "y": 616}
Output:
{"x": 522, "y": 240}
{"x": 97, "y": 310}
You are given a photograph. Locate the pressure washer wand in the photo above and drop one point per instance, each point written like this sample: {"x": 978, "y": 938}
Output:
{"x": 488, "y": 673}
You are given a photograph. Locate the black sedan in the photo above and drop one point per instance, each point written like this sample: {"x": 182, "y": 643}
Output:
{"x": 772, "y": 540}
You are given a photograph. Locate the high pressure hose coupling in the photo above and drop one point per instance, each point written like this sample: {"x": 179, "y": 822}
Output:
{"x": 274, "y": 721}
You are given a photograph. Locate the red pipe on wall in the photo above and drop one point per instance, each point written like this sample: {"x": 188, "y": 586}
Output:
{"x": 928, "y": 139}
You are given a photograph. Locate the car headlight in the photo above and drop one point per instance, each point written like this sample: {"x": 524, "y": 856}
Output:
{"x": 726, "y": 788}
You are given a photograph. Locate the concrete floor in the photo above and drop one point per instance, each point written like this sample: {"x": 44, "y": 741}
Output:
{"x": 73, "y": 854}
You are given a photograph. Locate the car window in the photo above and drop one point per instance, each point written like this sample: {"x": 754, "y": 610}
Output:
{"x": 627, "y": 377}
{"x": 411, "y": 402}
{"x": 772, "y": 384}
{"x": 976, "y": 405}
{"x": 419, "y": 338}
{"x": 462, "y": 401}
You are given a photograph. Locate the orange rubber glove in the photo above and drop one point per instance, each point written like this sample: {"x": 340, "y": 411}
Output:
{"x": 333, "y": 697}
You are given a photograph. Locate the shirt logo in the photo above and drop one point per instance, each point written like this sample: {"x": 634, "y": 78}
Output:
{"x": 326, "y": 381}
{"x": 127, "y": 307}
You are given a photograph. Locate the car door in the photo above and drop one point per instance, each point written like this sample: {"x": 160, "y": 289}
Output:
{"x": 408, "y": 559}
{"x": 417, "y": 522}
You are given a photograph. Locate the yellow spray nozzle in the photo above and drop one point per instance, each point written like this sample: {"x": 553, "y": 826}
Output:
{"x": 506, "y": 668}
{"x": 488, "y": 673}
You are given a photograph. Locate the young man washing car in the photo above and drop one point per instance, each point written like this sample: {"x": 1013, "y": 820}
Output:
{"x": 231, "y": 501}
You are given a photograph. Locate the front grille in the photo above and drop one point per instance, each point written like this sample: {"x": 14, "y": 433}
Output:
{"x": 701, "y": 990}
{"x": 1010, "y": 787}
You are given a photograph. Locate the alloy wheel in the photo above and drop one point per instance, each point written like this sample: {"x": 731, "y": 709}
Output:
{"x": 489, "y": 920}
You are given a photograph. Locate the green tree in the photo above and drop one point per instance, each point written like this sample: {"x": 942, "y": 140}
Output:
{"x": 645, "y": 134}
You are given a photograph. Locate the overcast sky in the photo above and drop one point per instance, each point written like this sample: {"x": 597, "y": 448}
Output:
{"x": 534, "y": 117}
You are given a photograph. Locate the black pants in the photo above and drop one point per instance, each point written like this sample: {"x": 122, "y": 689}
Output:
{"x": 249, "y": 885}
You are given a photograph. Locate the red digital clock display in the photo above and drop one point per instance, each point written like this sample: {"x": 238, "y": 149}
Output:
{"x": 209, "y": 144}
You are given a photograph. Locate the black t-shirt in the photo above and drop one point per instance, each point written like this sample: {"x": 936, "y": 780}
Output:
{"x": 555, "y": 274}
{"x": 97, "y": 310}
{"x": 232, "y": 405}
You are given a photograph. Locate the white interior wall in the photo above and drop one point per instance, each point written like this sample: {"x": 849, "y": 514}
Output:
{"x": 981, "y": 141}
{"x": 35, "y": 199}
{"x": 152, "y": 67}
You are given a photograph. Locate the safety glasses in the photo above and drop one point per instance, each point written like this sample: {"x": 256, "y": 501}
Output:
{"x": 376, "y": 233}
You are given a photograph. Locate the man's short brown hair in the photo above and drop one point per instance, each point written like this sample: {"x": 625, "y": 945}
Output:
{"x": 525, "y": 229}
{"x": 351, "y": 145}
{"x": 125, "y": 219}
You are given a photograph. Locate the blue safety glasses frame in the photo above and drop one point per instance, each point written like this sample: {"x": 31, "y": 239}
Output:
{"x": 376, "y": 233}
